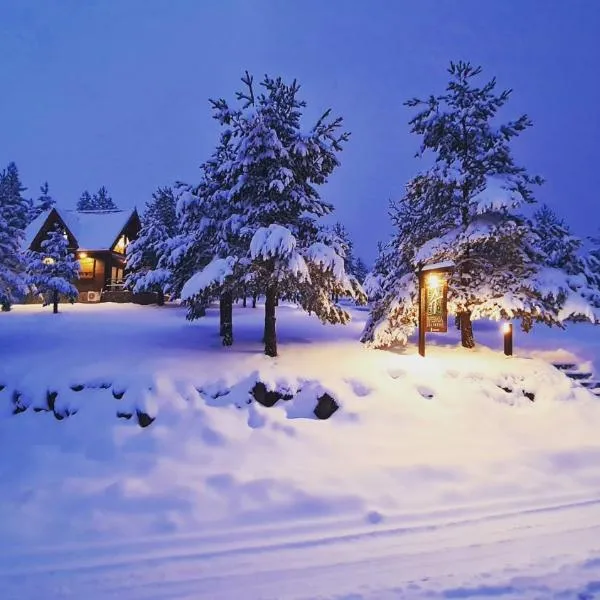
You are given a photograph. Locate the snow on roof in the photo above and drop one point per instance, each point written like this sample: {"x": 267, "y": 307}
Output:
{"x": 32, "y": 229}
{"x": 93, "y": 230}
{"x": 446, "y": 264}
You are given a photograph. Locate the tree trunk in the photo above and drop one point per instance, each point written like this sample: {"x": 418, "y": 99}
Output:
{"x": 55, "y": 302}
{"x": 245, "y": 299}
{"x": 254, "y": 300}
{"x": 222, "y": 315}
{"x": 160, "y": 298}
{"x": 227, "y": 322}
{"x": 270, "y": 331}
{"x": 466, "y": 330}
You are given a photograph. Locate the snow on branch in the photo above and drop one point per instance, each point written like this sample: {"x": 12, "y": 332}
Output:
{"x": 215, "y": 273}
{"x": 327, "y": 258}
{"x": 274, "y": 241}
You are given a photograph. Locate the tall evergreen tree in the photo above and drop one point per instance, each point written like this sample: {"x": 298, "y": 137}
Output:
{"x": 565, "y": 276}
{"x": 593, "y": 259}
{"x": 14, "y": 217}
{"x": 54, "y": 268}
{"x": 144, "y": 254}
{"x": 555, "y": 242}
{"x": 270, "y": 186}
{"x": 101, "y": 200}
{"x": 44, "y": 202}
{"x": 464, "y": 209}
{"x": 360, "y": 270}
{"x": 85, "y": 201}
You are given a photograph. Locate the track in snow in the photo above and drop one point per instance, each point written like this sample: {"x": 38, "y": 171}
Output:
{"x": 513, "y": 554}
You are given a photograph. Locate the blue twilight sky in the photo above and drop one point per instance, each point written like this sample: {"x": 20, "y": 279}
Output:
{"x": 114, "y": 92}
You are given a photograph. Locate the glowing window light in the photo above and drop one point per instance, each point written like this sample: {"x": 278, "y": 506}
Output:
{"x": 48, "y": 260}
{"x": 83, "y": 255}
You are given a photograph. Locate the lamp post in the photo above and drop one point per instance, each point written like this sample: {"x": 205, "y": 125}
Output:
{"x": 507, "y": 330}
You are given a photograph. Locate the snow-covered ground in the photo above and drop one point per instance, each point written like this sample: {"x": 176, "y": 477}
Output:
{"x": 430, "y": 481}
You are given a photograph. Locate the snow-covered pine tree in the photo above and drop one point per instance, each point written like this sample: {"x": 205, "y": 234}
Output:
{"x": 12, "y": 192}
{"x": 592, "y": 259}
{"x": 464, "y": 209}
{"x": 85, "y": 201}
{"x": 211, "y": 254}
{"x": 101, "y": 200}
{"x": 555, "y": 241}
{"x": 275, "y": 205}
{"x": 44, "y": 202}
{"x": 144, "y": 254}
{"x": 360, "y": 270}
{"x": 54, "y": 268}
{"x": 14, "y": 217}
{"x": 564, "y": 281}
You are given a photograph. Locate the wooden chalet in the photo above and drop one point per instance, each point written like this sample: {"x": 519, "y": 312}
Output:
{"x": 99, "y": 240}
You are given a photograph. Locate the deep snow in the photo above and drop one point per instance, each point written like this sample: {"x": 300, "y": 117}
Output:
{"x": 430, "y": 481}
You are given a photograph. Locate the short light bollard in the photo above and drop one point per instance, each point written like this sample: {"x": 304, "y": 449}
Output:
{"x": 507, "y": 330}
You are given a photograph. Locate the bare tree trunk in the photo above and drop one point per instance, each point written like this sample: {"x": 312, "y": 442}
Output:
{"x": 270, "y": 331}
{"x": 222, "y": 315}
{"x": 55, "y": 302}
{"x": 254, "y": 297}
{"x": 245, "y": 300}
{"x": 466, "y": 330}
{"x": 160, "y": 297}
{"x": 227, "y": 319}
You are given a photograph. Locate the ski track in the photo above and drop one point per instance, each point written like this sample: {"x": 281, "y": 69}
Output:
{"x": 481, "y": 557}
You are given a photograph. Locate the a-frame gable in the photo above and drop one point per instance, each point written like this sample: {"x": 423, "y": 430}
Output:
{"x": 51, "y": 220}
{"x": 131, "y": 228}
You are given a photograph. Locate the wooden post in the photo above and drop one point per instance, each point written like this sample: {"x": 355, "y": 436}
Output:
{"x": 422, "y": 314}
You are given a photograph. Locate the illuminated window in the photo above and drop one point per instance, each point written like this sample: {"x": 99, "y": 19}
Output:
{"x": 121, "y": 245}
{"x": 87, "y": 267}
{"x": 48, "y": 260}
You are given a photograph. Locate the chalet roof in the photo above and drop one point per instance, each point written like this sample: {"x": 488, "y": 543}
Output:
{"x": 93, "y": 230}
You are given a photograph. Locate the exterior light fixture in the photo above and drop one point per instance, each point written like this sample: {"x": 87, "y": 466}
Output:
{"x": 433, "y": 281}
{"x": 507, "y": 331}
{"x": 83, "y": 255}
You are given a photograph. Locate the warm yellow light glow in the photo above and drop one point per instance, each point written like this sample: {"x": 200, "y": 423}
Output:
{"x": 83, "y": 255}
{"x": 433, "y": 281}
{"x": 48, "y": 260}
{"x": 121, "y": 245}
{"x": 506, "y": 327}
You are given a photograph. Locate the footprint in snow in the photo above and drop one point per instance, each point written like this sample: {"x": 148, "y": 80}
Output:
{"x": 374, "y": 517}
{"x": 359, "y": 388}
{"x": 396, "y": 373}
{"x": 426, "y": 392}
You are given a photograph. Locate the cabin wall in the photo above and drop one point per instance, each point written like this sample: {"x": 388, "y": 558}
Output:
{"x": 95, "y": 283}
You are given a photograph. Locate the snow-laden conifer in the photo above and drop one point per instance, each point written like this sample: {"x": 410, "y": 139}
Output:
{"x": 146, "y": 268}
{"x": 466, "y": 208}
{"x": 53, "y": 269}
{"x": 14, "y": 217}
{"x": 269, "y": 184}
